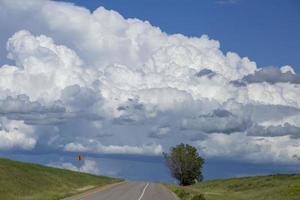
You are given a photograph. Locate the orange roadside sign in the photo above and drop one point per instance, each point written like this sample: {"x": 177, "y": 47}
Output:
{"x": 79, "y": 157}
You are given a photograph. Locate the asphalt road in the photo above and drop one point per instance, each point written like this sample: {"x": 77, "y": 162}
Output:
{"x": 132, "y": 191}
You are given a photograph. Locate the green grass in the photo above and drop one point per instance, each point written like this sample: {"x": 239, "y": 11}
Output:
{"x": 272, "y": 187}
{"x": 20, "y": 180}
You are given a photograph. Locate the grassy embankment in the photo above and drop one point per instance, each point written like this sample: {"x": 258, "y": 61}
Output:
{"x": 20, "y": 180}
{"x": 273, "y": 187}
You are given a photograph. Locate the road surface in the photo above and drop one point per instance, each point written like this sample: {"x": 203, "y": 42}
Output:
{"x": 130, "y": 191}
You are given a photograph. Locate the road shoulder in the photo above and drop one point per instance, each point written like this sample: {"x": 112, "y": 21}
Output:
{"x": 166, "y": 188}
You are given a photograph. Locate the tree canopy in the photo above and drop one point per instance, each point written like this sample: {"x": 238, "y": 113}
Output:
{"x": 185, "y": 164}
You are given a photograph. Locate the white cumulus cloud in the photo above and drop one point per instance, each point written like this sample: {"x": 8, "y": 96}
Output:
{"x": 76, "y": 80}
{"x": 88, "y": 166}
{"x": 16, "y": 135}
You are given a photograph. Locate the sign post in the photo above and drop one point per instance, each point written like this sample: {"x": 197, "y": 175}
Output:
{"x": 79, "y": 158}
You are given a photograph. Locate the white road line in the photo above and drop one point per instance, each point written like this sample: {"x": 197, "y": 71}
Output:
{"x": 143, "y": 191}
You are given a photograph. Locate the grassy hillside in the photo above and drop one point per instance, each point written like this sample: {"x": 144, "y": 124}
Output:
{"x": 273, "y": 187}
{"x": 20, "y": 180}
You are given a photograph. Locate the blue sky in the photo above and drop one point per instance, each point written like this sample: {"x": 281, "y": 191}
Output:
{"x": 265, "y": 31}
{"x": 77, "y": 77}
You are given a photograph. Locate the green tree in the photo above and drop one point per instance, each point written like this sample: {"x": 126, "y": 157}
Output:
{"x": 185, "y": 164}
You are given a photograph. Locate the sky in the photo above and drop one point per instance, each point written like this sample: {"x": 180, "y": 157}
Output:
{"x": 122, "y": 82}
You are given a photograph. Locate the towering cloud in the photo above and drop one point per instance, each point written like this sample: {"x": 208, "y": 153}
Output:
{"x": 75, "y": 80}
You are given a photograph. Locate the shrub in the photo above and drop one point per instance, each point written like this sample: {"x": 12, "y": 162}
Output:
{"x": 181, "y": 193}
{"x": 198, "y": 197}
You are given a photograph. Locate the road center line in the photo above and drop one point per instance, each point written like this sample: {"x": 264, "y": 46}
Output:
{"x": 143, "y": 191}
